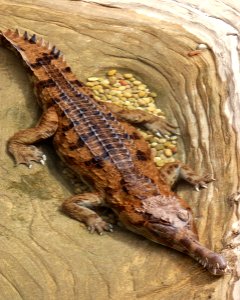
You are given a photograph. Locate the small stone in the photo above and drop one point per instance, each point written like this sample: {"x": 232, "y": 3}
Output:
{"x": 141, "y": 94}
{"x": 123, "y": 98}
{"x": 105, "y": 82}
{"x": 154, "y": 144}
{"x": 162, "y": 140}
{"x": 93, "y": 79}
{"x": 111, "y": 72}
{"x": 151, "y": 109}
{"x": 158, "y": 161}
{"x": 137, "y": 82}
{"x": 127, "y": 95}
{"x": 159, "y": 147}
{"x": 158, "y": 111}
{"x": 168, "y": 144}
{"x": 128, "y": 75}
{"x": 144, "y": 134}
{"x": 122, "y": 88}
{"x": 90, "y": 84}
{"x": 142, "y": 87}
{"x": 97, "y": 87}
{"x": 152, "y": 94}
{"x": 112, "y": 80}
{"x": 117, "y": 84}
{"x": 97, "y": 98}
{"x": 113, "y": 92}
{"x": 168, "y": 152}
{"x": 123, "y": 82}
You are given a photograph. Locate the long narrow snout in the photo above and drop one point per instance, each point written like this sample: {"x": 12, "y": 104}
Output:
{"x": 186, "y": 241}
{"x": 213, "y": 262}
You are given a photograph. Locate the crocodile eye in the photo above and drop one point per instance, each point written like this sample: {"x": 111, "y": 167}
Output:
{"x": 183, "y": 215}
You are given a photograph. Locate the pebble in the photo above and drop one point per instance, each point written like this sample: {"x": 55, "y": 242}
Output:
{"x": 127, "y": 95}
{"x": 111, "y": 72}
{"x": 137, "y": 82}
{"x": 93, "y": 79}
{"x": 142, "y": 87}
{"x": 128, "y": 76}
{"x": 141, "y": 94}
{"x": 168, "y": 152}
{"x": 128, "y": 91}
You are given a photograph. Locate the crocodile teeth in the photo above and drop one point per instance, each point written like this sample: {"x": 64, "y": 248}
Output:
{"x": 30, "y": 166}
{"x": 25, "y": 36}
{"x": 17, "y": 33}
{"x": 204, "y": 186}
{"x": 42, "y": 162}
{"x": 44, "y": 157}
{"x": 33, "y": 39}
{"x": 41, "y": 42}
{"x": 58, "y": 53}
{"x": 53, "y": 50}
{"x": 47, "y": 45}
{"x": 197, "y": 188}
{"x": 8, "y": 32}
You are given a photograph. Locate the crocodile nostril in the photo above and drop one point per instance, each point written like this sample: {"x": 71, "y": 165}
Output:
{"x": 183, "y": 215}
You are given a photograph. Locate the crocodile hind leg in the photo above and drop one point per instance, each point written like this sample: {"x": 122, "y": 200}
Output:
{"x": 170, "y": 173}
{"x": 20, "y": 145}
{"x": 149, "y": 121}
{"x": 79, "y": 207}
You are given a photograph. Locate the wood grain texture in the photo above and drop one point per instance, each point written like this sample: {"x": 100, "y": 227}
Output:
{"x": 44, "y": 254}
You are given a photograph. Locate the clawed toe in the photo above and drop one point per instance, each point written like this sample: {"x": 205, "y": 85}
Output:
{"x": 99, "y": 226}
{"x": 26, "y": 154}
{"x": 202, "y": 184}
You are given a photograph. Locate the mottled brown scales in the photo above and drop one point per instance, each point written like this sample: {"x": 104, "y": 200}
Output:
{"x": 99, "y": 143}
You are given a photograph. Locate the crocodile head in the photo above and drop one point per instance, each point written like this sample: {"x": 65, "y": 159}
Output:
{"x": 165, "y": 220}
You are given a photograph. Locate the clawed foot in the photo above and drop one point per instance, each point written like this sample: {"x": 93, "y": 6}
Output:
{"x": 161, "y": 127}
{"x": 26, "y": 154}
{"x": 202, "y": 182}
{"x": 98, "y": 225}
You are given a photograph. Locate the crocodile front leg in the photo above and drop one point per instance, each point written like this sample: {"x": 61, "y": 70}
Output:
{"x": 78, "y": 207}
{"x": 149, "y": 121}
{"x": 170, "y": 173}
{"x": 20, "y": 145}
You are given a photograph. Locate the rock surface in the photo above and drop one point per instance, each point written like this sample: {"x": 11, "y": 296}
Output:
{"x": 44, "y": 254}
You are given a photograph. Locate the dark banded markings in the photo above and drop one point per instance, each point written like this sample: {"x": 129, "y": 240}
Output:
{"x": 67, "y": 70}
{"x": 77, "y": 82}
{"x": 77, "y": 145}
{"x": 96, "y": 162}
{"x": 45, "y": 84}
{"x": 141, "y": 155}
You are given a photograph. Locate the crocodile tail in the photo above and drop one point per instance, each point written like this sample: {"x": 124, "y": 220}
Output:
{"x": 30, "y": 48}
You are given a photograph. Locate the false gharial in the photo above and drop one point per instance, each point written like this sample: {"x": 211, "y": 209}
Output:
{"x": 97, "y": 141}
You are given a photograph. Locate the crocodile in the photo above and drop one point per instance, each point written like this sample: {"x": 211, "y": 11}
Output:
{"x": 99, "y": 143}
